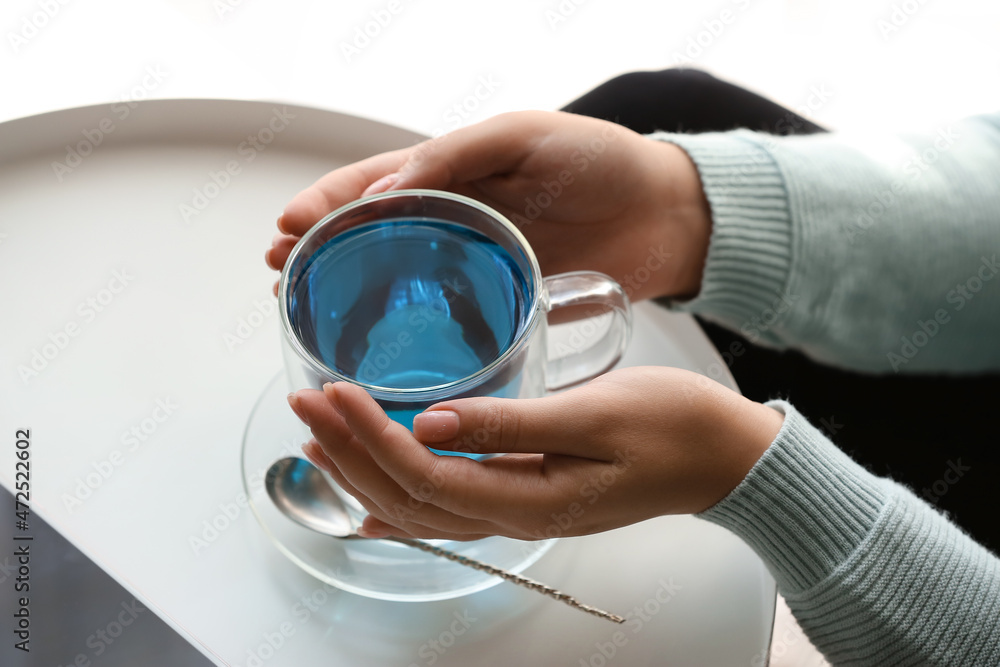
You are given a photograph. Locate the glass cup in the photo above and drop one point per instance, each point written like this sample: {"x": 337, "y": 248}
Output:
{"x": 421, "y": 296}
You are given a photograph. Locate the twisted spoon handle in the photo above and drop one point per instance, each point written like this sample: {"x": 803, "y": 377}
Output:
{"x": 509, "y": 576}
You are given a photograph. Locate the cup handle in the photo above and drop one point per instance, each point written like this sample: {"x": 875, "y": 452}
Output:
{"x": 588, "y": 288}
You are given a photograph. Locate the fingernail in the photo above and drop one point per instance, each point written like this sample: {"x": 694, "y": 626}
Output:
{"x": 310, "y": 453}
{"x": 267, "y": 259}
{"x": 296, "y": 405}
{"x": 371, "y": 534}
{"x": 436, "y": 426}
{"x": 381, "y": 185}
{"x": 315, "y": 454}
{"x": 330, "y": 389}
{"x": 281, "y": 223}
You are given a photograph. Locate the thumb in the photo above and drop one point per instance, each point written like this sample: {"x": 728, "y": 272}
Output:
{"x": 494, "y": 146}
{"x": 551, "y": 425}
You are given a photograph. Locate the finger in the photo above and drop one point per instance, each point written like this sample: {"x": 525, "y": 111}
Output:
{"x": 454, "y": 484}
{"x": 382, "y": 184}
{"x": 362, "y": 473}
{"x": 316, "y": 456}
{"x": 281, "y": 247}
{"x": 314, "y": 452}
{"x": 335, "y": 189}
{"x": 326, "y": 424}
{"x": 570, "y": 423}
{"x": 376, "y": 528}
{"x": 342, "y": 455}
{"x": 319, "y": 458}
{"x": 342, "y": 451}
{"x": 495, "y": 146}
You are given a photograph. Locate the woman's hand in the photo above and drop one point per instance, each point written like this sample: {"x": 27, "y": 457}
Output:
{"x": 587, "y": 194}
{"x": 633, "y": 444}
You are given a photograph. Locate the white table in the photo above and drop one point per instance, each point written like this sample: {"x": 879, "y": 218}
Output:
{"x": 140, "y": 399}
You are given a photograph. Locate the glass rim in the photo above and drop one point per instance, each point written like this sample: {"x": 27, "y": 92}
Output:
{"x": 539, "y": 300}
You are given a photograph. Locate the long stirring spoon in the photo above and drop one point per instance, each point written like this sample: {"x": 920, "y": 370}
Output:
{"x": 300, "y": 491}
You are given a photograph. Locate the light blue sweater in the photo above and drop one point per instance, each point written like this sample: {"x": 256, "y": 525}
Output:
{"x": 878, "y": 254}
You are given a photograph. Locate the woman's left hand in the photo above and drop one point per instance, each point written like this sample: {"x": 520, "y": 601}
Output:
{"x": 633, "y": 444}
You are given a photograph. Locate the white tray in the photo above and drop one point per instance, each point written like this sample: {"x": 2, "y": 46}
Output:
{"x": 144, "y": 311}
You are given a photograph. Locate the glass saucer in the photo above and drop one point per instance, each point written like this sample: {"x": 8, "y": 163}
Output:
{"x": 373, "y": 568}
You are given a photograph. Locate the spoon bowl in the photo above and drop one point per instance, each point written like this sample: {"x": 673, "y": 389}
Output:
{"x": 300, "y": 491}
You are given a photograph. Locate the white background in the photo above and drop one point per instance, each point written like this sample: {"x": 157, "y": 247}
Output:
{"x": 940, "y": 63}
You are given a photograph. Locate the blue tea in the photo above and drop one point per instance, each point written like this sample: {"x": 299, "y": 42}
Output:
{"x": 408, "y": 304}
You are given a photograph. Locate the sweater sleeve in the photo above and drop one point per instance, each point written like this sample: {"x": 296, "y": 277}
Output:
{"x": 877, "y": 254}
{"x": 873, "y": 574}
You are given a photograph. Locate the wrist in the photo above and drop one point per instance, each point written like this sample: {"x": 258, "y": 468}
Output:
{"x": 683, "y": 220}
{"x": 747, "y": 430}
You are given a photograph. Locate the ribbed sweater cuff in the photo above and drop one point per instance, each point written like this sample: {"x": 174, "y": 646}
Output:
{"x": 804, "y": 507}
{"x": 749, "y": 253}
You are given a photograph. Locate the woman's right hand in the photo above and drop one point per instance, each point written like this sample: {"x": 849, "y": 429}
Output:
{"x": 587, "y": 194}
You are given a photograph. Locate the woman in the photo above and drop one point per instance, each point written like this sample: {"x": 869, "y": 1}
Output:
{"x": 875, "y": 255}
